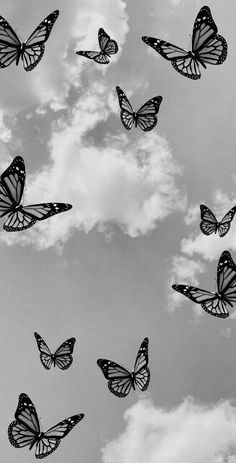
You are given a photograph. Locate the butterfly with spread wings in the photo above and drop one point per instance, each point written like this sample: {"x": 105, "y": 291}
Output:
{"x": 107, "y": 46}
{"x": 215, "y": 304}
{"x": 31, "y": 51}
{"x": 62, "y": 357}
{"x": 20, "y": 217}
{"x": 208, "y": 47}
{"x": 120, "y": 380}
{"x": 145, "y": 118}
{"x": 209, "y": 224}
{"x": 26, "y": 430}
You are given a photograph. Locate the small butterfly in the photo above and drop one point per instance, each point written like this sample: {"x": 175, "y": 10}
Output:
{"x": 31, "y": 51}
{"x": 209, "y": 224}
{"x": 207, "y": 47}
{"x": 20, "y": 217}
{"x": 62, "y": 356}
{"x": 120, "y": 380}
{"x": 145, "y": 117}
{"x": 107, "y": 46}
{"x": 215, "y": 304}
{"x": 26, "y": 430}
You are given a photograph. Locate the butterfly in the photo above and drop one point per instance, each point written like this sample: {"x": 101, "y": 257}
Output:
{"x": 107, "y": 46}
{"x": 26, "y": 430}
{"x": 207, "y": 47}
{"x": 62, "y": 356}
{"x": 120, "y": 380}
{"x": 215, "y": 304}
{"x": 20, "y": 217}
{"x": 145, "y": 117}
{"x": 31, "y": 51}
{"x": 209, "y": 224}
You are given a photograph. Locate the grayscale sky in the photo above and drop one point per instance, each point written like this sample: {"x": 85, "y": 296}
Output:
{"x": 103, "y": 271}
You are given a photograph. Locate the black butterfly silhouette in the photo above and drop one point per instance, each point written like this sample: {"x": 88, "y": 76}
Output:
{"x": 107, "y": 46}
{"x": 145, "y": 118}
{"x": 215, "y": 304}
{"x": 210, "y": 225}
{"x": 11, "y": 190}
{"x": 120, "y": 380}
{"x": 61, "y": 358}
{"x": 31, "y": 51}
{"x": 26, "y": 430}
{"x": 207, "y": 47}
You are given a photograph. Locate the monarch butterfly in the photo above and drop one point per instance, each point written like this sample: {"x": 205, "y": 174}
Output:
{"x": 209, "y": 224}
{"x": 145, "y": 117}
{"x": 26, "y": 430}
{"x": 215, "y": 303}
{"x": 120, "y": 380}
{"x": 207, "y": 47}
{"x": 11, "y": 190}
{"x": 62, "y": 356}
{"x": 31, "y": 51}
{"x": 107, "y": 46}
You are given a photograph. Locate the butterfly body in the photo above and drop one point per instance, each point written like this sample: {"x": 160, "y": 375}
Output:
{"x": 209, "y": 224}
{"x": 107, "y": 46}
{"x": 208, "y": 47}
{"x": 215, "y": 303}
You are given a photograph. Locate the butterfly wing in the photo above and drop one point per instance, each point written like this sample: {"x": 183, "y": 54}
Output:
{"x": 9, "y": 44}
{"x": 63, "y": 355}
{"x": 25, "y": 429}
{"x": 206, "y": 44}
{"x": 13, "y": 181}
{"x": 127, "y": 114}
{"x": 226, "y": 278}
{"x": 210, "y": 302}
{"x": 45, "y": 353}
{"x": 146, "y": 115}
{"x": 97, "y": 56}
{"x": 119, "y": 379}
{"x": 34, "y": 47}
{"x": 107, "y": 46}
{"x": 141, "y": 371}
{"x": 208, "y": 222}
{"x": 26, "y": 216}
{"x": 224, "y": 224}
{"x": 51, "y": 439}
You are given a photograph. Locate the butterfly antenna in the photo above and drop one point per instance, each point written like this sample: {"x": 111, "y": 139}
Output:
{"x": 18, "y": 35}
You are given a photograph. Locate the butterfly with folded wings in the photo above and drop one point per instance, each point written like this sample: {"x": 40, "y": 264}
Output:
{"x": 120, "y": 380}
{"x": 31, "y": 51}
{"x": 209, "y": 223}
{"x": 62, "y": 357}
{"x": 208, "y": 47}
{"x": 215, "y": 304}
{"x": 145, "y": 118}
{"x": 107, "y": 46}
{"x": 26, "y": 431}
{"x": 19, "y": 217}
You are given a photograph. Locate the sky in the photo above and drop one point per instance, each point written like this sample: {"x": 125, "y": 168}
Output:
{"x": 103, "y": 271}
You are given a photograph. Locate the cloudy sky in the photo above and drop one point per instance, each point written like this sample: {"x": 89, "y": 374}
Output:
{"x": 102, "y": 272}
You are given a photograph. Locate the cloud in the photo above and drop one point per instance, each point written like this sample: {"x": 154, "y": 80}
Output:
{"x": 130, "y": 184}
{"x": 189, "y": 432}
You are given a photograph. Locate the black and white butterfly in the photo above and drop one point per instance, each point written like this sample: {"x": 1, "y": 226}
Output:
{"x": 120, "y": 380}
{"x": 61, "y": 358}
{"x": 209, "y": 224}
{"x": 207, "y": 47}
{"x": 20, "y": 217}
{"x": 26, "y": 430}
{"x": 215, "y": 303}
{"x": 145, "y": 117}
{"x": 31, "y": 51}
{"x": 107, "y": 46}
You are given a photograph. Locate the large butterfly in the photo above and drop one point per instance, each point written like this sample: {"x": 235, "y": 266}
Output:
{"x": 107, "y": 46}
{"x": 31, "y": 51}
{"x": 209, "y": 224}
{"x": 207, "y": 47}
{"x": 62, "y": 356}
{"x": 120, "y": 380}
{"x": 215, "y": 304}
{"x": 26, "y": 430}
{"x": 20, "y": 217}
{"x": 145, "y": 117}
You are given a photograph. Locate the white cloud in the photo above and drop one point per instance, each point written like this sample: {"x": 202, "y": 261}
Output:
{"x": 190, "y": 432}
